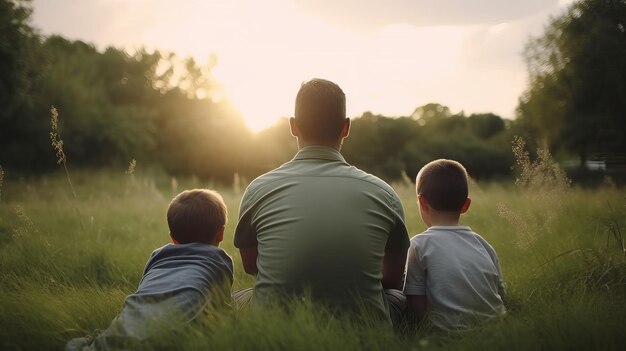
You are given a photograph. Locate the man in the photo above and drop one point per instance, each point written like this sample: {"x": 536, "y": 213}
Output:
{"x": 317, "y": 226}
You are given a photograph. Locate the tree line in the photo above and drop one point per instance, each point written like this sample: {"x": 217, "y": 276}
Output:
{"x": 162, "y": 110}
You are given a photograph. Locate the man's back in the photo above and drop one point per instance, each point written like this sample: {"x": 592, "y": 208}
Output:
{"x": 322, "y": 228}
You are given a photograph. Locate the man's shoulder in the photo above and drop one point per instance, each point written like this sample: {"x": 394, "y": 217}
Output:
{"x": 275, "y": 174}
{"x": 360, "y": 174}
{"x": 340, "y": 170}
{"x": 367, "y": 182}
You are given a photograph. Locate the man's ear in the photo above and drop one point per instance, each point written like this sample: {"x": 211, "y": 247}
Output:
{"x": 174, "y": 240}
{"x": 466, "y": 205}
{"x": 345, "y": 130}
{"x": 293, "y": 126}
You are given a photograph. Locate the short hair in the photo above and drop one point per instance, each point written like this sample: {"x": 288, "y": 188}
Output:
{"x": 444, "y": 184}
{"x": 196, "y": 216}
{"x": 320, "y": 110}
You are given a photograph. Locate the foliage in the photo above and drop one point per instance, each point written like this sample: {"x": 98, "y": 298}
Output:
{"x": 18, "y": 56}
{"x": 577, "y": 92}
{"x": 390, "y": 147}
{"x": 166, "y": 112}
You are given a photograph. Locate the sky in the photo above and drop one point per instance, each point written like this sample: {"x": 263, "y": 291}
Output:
{"x": 389, "y": 57}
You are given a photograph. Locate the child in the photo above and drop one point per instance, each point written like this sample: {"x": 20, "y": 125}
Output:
{"x": 180, "y": 281}
{"x": 453, "y": 275}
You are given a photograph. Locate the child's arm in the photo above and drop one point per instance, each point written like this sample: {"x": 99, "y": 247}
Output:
{"x": 496, "y": 263}
{"x": 501, "y": 284}
{"x": 415, "y": 286}
{"x": 416, "y": 306}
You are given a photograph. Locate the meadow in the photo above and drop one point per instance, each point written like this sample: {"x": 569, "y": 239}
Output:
{"x": 68, "y": 261}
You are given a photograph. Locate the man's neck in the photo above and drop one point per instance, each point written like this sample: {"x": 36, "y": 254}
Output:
{"x": 302, "y": 144}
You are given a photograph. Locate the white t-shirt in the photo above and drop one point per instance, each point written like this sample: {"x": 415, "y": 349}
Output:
{"x": 459, "y": 273}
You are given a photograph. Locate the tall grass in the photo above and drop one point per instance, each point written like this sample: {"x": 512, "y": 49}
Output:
{"x": 65, "y": 273}
{"x": 57, "y": 145}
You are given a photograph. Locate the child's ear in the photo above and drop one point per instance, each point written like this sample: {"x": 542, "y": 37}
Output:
{"x": 466, "y": 205}
{"x": 219, "y": 236}
{"x": 174, "y": 240}
{"x": 423, "y": 202}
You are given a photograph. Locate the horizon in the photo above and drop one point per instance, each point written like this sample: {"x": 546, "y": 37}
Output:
{"x": 468, "y": 57}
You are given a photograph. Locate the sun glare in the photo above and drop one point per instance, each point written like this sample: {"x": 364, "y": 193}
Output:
{"x": 261, "y": 102}
{"x": 390, "y": 69}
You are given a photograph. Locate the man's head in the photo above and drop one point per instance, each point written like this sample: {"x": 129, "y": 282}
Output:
{"x": 320, "y": 114}
{"x": 441, "y": 185}
{"x": 197, "y": 215}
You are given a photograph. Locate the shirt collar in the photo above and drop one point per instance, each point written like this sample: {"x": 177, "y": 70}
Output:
{"x": 450, "y": 227}
{"x": 319, "y": 152}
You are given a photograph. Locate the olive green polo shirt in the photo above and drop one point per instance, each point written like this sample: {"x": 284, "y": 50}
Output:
{"x": 322, "y": 228}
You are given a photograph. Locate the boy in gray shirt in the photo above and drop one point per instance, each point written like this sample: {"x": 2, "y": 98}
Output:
{"x": 453, "y": 275}
{"x": 181, "y": 280}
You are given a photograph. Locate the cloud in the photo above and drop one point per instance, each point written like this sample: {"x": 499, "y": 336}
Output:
{"x": 374, "y": 13}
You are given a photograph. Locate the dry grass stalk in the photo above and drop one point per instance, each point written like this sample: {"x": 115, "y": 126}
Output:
{"x": 131, "y": 167}
{"x": 57, "y": 144}
{"x": 26, "y": 226}
{"x": 544, "y": 186}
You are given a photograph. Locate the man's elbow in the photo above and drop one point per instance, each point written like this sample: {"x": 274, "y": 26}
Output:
{"x": 393, "y": 270}
{"x": 248, "y": 259}
{"x": 392, "y": 280}
{"x": 250, "y": 268}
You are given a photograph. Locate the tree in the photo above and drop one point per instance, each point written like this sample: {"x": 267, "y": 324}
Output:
{"x": 18, "y": 45}
{"x": 485, "y": 125}
{"x": 577, "y": 92}
{"x": 430, "y": 112}
{"x": 20, "y": 59}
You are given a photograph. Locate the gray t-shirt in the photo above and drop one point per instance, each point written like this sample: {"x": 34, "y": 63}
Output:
{"x": 179, "y": 283}
{"x": 459, "y": 273}
{"x": 322, "y": 227}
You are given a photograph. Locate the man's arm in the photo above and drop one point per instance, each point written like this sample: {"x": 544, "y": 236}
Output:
{"x": 393, "y": 269}
{"x": 248, "y": 258}
{"x": 416, "y": 306}
{"x": 394, "y": 260}
{"x": 245, "y": 236}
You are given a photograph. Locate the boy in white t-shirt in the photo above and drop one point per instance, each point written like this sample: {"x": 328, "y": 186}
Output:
{"x": 453, "y": 275}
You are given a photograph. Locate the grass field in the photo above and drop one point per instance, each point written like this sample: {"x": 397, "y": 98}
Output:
{"x": 66, "y": 265}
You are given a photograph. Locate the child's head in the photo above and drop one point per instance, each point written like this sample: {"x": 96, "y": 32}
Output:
{"x": 197, "y": 215}
{"x": 441, "y": 186}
